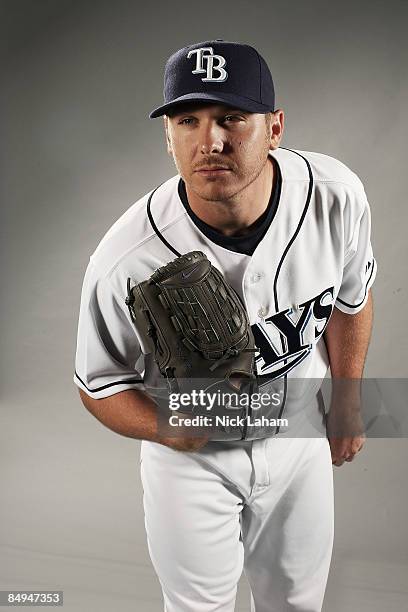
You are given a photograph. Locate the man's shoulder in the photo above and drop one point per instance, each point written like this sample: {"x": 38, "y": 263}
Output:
{"x": 133, "y": 229}
{"x": 327, "y": 169}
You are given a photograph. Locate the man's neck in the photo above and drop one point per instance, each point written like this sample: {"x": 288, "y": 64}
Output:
{"x": 235, "y": 216}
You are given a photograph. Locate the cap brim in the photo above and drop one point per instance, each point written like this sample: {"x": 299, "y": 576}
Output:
{"x": 232, "y": 100}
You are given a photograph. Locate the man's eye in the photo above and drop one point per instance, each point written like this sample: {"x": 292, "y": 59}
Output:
{"x": 186, "y": 121}
{"x": 232, "y": 118}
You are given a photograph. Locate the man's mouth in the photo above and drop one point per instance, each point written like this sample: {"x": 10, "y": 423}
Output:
{"x": 213, "y": 170}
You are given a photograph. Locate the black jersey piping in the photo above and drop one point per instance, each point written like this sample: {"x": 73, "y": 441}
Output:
{"x": 302, "y": 218}
{"x": 278, "y": 269}
{"x": 365, "y": 292}
{"x": 132, "y": 381}
{"x": 154, "y": 226}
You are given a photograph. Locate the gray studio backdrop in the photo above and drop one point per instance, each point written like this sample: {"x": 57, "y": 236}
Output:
{"x": 78, "y": 81}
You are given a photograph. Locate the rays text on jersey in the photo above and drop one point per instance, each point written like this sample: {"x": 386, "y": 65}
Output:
{"x": 296, "y": 337}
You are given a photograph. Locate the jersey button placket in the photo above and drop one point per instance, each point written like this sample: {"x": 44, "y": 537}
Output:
{"x": 254, "y": 278}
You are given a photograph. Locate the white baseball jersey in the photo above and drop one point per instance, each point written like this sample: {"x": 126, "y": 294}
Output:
{"x": 316, "y": 254}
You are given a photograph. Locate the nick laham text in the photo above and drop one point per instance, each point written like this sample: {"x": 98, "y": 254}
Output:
{"x": 226, "y": 421}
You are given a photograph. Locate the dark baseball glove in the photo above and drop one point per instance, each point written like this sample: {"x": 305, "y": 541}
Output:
{"x": 198, "y": 331}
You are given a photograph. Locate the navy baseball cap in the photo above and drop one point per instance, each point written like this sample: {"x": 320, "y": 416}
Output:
{"x": 218, "y": 71}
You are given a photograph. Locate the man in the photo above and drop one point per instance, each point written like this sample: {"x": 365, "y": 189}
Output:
{"x": 290, "y": 231}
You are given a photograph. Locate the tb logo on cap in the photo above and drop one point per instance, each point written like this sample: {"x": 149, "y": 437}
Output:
{"x": 207, "y": 54}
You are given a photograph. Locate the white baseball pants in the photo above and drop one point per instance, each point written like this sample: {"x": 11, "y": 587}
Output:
{"x": 263, "y": 506}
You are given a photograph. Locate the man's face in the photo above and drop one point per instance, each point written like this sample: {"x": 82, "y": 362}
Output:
{"x": 218, "y": 150}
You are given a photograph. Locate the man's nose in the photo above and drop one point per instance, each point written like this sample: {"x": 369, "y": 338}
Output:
{"x": 211, "y": 139}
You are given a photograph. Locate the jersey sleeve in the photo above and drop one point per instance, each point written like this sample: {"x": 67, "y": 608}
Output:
{"x": 360, "y": 266}
{"x": 108, "y": 357}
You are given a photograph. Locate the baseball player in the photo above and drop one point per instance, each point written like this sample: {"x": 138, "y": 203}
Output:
{"x": 289, "y": 231}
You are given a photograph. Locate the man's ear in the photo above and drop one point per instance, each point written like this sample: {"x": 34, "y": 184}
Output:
{"x": 166, "y": 129}
{"x": 277, "y": 125}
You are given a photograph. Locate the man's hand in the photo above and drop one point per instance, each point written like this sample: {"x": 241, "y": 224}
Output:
{"x": 345, "y": 449}
{"x": 184, "y": 441}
